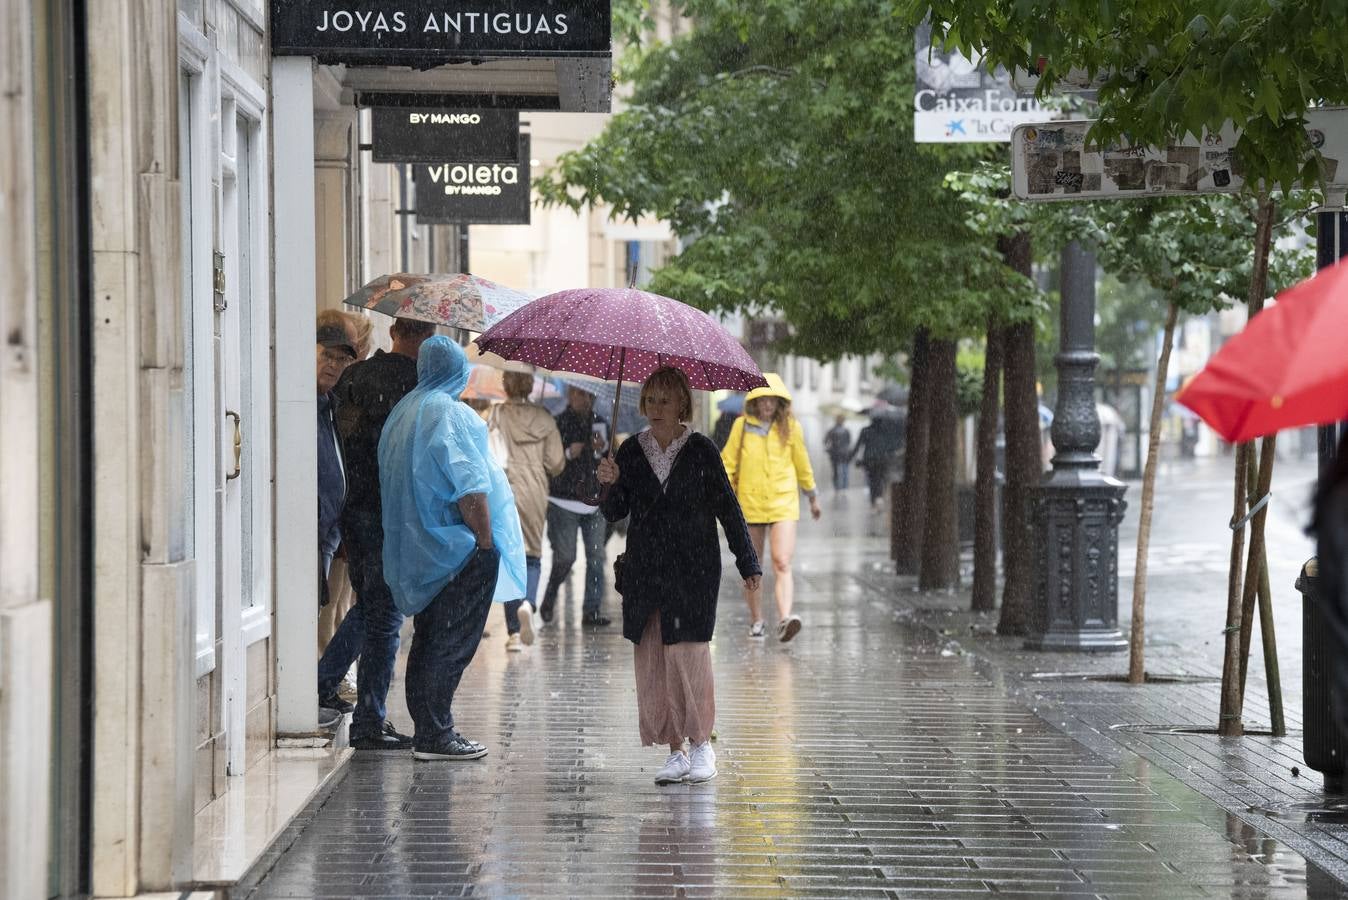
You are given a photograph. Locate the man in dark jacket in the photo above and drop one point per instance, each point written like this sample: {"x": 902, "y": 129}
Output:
{"x": 572, "y": 499}
{"x": 334, "y": 353}
{"x": 365, "y": 394}
{"x": 838, "y": 446}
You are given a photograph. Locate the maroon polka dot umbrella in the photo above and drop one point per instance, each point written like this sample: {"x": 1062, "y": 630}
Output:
{"x": 623, "y": 333}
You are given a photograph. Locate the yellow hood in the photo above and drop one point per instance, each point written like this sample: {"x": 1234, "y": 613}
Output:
{"x": 776, "y": 388}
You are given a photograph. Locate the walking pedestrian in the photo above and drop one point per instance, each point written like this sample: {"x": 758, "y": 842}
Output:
{"x": 767, "y": 464}
{"x": 671, "y": 481}
{"x": 533, "y": 449}
{"x": 452, "y": 540}
{"x": 1330, "y": 527}
{"x": 368, "y": 635}
{"x": 572, "y": 507}
{"x": 874, "y": 447}
{"x": 838, "y": 446}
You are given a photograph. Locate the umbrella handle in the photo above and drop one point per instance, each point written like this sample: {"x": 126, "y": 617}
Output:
{"x": 612, "y": 426}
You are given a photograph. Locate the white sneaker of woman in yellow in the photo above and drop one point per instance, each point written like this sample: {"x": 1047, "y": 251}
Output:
{"x": 702, "y": 764}
{"x": 674, "y": 770}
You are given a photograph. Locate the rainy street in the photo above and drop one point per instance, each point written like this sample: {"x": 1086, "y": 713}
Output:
{"x": 866, "y": 758}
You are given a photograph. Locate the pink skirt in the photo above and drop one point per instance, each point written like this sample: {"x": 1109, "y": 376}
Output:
{"x": 676, "y": 694}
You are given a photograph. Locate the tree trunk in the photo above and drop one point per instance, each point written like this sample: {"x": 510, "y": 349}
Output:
{"x": 1136, "y": 664}
{"x": 1259, "y": 478}
{"x": 1229, "y": 721}
{"x": 1024, "y": 468}
{"x": 941, "y": 540}
{"x": 984, "y": 596}
{"x": 909, "y": 514}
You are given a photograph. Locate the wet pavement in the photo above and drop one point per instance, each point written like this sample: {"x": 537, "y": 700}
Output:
{"x": 868, "y": 758}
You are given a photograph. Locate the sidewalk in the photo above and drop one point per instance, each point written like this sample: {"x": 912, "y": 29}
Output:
{"x": 873, "y": 757}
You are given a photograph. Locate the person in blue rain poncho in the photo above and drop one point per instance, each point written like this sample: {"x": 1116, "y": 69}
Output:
{"x": 452, "y": 540}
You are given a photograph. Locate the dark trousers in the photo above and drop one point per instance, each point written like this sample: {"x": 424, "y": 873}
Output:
{"x": 562, "y": 528}
{"x": 446, "y": 637}
{"x": 876, "y": 477}
{"x": 368, "y": 632}
{"x": 533, "y": 568}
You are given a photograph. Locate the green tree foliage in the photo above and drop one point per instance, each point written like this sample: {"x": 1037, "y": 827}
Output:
{"x": 1175, "y": 67}
{"x": 776, "y": 139}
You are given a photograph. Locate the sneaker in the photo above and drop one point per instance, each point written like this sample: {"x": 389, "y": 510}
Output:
{"x": 674, "y": 770}
{"x": 337, "y": 703}
{"x": 457, "y": 747}
{"x": 757, "y": 630}
{"x": 545, "y": 611}
{"x": 788, "y": 628}
{"x": 526, "y": 615}
{"x": 388, "y": 738}
{"x": 513, "y": 644}
{"x": 594, "y": 620}
{"x": 328, "y": 718}
{"x": 702, "y": 764}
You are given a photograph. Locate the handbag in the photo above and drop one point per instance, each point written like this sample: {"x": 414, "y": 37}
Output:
{"x": 619, "y": 564}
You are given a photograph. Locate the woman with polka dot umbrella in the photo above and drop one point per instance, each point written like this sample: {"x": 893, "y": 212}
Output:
{"x": 622, "y": 334}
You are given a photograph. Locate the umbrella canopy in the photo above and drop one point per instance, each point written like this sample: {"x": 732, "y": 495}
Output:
{"x": 1288, "y": 368}
{"x": 733, "y": 404}
{"x": 453, "y": 300}
{"x": 623, "y": 333}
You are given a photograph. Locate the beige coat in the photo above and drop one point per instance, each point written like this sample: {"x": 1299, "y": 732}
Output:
{"x": 535, "y": 456}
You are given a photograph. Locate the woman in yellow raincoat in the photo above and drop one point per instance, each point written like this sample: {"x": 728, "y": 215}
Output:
{"x": 768, "y": 466}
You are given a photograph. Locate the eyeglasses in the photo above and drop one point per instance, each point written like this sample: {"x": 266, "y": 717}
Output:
{"x": 337, "y": 358}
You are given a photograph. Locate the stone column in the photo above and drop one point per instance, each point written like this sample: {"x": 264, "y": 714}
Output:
{"x": 1077, "y": 510}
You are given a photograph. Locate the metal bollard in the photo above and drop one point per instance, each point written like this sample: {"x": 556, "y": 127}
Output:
{"x": 1324, "y": 744}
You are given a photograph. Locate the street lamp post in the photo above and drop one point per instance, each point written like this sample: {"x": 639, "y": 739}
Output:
{"x": 1077, "y": 509}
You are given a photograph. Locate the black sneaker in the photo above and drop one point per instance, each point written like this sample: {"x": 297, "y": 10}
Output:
{"x": 545, "y": 611}
{"x": 388, "y": 738}
{"x": 594, "y": 620}
{"x": 457, "y": 747}
{"x": 336, "y": 703}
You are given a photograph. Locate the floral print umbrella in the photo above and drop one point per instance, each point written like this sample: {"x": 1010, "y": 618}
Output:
{"x": 453, "y": 300}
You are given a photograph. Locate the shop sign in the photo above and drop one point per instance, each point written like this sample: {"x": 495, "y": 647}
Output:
{"x": 474, "y": 193}
{"x": 959, "y": 101}
{"x": 410, "y": 135}
{"x": 1052, "y": 161}
{"x": 433, "y": 32}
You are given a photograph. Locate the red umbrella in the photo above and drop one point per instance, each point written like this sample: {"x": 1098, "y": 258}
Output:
{"x": 1288, "y": 368}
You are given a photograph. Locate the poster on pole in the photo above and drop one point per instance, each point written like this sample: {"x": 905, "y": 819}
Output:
{"x": 959, "y": 101}
{"x": 1052, "y": 161}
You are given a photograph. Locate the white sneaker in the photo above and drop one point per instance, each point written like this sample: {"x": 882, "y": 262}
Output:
{"x": 526, "y": 615}
{"x": 513, "y": 644}
{"x": 674, "y": 770}
{"x": 702, "y": 765}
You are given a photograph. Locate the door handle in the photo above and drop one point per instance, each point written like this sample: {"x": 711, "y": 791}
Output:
{"x": 238, "y": 444}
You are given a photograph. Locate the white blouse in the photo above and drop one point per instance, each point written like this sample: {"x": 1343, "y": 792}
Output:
{"x": 662, "y": 461}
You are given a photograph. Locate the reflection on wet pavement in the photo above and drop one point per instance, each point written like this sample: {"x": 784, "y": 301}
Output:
{"x": 859, "y": 760}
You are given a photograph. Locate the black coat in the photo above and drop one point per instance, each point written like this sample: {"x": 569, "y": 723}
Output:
{"x": 578, "y": 480}
{"x": 673, "y": 557}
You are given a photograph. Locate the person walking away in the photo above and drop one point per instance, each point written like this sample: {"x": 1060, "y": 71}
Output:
{"x": 534, "y": 455}
{"x": 767, "y": 464}
{"x": 333, "y": 353}
{"x": 873, "y": 445}
{"x": 572, "y": 499}
{"x": 720, "y": 432}
{"x": 838, "y": 446}
{"x": 452, "y": 540}
{"x": 671, "y": 481}
{"x": 1329, "y": 525}
{"x": 368, "y": 635}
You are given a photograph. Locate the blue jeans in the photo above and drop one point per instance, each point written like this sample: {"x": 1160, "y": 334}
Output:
{"x": 533, "y": 568}
{"x": 369, "y": 632}
{"x": 562, "y": 527}
{"x": 840, "y": 467}
{"x": 446, "y": 637}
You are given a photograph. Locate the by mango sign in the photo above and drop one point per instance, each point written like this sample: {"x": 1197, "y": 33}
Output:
{"x": 469, "y": 193}
{"x": 434, "y": 32}
{"x": 411, "y": 135}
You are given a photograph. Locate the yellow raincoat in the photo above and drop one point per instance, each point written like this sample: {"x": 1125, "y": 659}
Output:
{"x": 766, "y": 473}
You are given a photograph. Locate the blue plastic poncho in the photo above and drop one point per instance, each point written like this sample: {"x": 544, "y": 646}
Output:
{"x": 432, "y": 453}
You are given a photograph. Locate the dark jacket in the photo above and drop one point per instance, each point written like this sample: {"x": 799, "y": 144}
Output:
{"x": 331, "y": 480}
{"x": 579, "y": 480}
{"x": 838, "y": 443}
{"x": 366, "y": 393}
{"x": 673, "y": 557}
